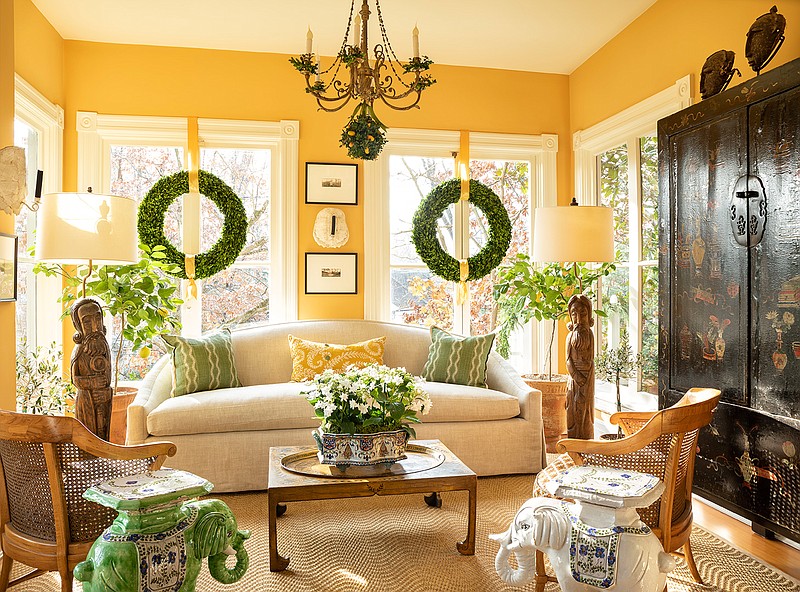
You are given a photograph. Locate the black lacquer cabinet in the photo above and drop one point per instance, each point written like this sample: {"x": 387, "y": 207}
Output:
{"x": 729, "y": 298}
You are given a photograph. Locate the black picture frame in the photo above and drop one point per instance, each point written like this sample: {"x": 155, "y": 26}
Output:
{"x": 331, "y": 273}
{"x": 8, "y": 267}
{"x": 330, "y": 183}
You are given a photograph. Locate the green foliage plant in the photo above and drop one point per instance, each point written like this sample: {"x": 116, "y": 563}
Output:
{"x": 615, "y": 364}
{"x": 524, "y": 291}
{"x": 141, "y": 294}
{"x": 41, "y": 388}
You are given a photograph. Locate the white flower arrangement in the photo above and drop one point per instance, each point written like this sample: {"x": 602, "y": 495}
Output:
{"x": 367, "y": 400}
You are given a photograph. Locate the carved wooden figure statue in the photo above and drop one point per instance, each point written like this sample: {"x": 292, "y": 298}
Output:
{"x": 580, "y": 364}
{"x": 90, "y": 368}
{"x": 764, "y": 39}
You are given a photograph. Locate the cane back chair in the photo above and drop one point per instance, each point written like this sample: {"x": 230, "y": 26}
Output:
{"x": 661, "y": 443}
{"x": 46, "y": 463}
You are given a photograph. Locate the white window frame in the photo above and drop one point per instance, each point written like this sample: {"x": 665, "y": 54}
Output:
{"x": 540, "y": 150}
{"x": 47, "y": 119}
{"x": 98, "y": 132}
{"x": 625, "y": 128}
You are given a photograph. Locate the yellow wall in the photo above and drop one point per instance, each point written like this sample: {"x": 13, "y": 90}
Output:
{"x": 671, "y": 39}
{"x": 144, "y": 80}
{"x": 39, "y": 55}
{"x": 7, "y": 326}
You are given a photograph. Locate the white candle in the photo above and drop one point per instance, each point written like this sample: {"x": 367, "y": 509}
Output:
{"x": 309, "y": 40}
{"x": 415, "y": 41}
{"x": 357, "y": 31}
{"x": 317, "y": 76}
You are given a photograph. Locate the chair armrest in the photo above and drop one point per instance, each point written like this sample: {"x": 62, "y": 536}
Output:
{"x": 96, "y": 446}
{"x": 154, "y": 390}
{"x": 620, "y": 447}
{"x": 643, "y": 416}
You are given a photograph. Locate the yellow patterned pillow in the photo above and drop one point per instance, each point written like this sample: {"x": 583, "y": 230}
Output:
{"x": 310, "y": 358}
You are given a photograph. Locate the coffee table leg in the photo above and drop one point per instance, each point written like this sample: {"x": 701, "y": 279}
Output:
{"x": 276, "y": 562}
{"x": 280, "y": 510}
{"x": 467, "y": 547}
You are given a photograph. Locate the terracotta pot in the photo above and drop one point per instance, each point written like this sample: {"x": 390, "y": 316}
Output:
{"x": 123, "y": 397}
{"x": 554, "y": 408}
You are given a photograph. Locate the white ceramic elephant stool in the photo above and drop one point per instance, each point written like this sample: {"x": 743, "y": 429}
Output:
{"x": 598, "y": 542}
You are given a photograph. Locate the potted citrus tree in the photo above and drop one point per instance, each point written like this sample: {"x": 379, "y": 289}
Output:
{"x": 524, "y": 291}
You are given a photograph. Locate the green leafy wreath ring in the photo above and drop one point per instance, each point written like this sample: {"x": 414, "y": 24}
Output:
{"x": 154, "y": 207}
{"x": 425, "y": 222}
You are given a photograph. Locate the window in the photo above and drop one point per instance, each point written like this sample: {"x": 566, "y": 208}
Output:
{"x": 134, "y": 168}
{"x": 126, "y": 155}
{"x": 399, "y": 286}
{"x": 239, "y": 295}
{"x": 616, "y": 165}
{"x": 629, "y": 295}
{"x": 38, "y": 128}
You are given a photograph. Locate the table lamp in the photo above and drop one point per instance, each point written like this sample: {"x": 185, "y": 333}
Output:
{"x": 80, "y": 228}
{"x": 574, "y": 234}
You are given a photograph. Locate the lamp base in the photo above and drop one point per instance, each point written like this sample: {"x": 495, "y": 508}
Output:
{"x": 90, "y": 367}
{"x": 580, "y": 364}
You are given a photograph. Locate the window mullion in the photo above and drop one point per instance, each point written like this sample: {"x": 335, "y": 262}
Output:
{"x": 635, "y": 250}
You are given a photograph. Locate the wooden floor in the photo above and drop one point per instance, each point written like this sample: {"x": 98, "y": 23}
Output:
{"x": 738, "y": 534}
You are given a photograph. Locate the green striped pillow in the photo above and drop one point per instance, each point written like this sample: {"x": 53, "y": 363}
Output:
{"x": 458, "y": 360}
{"x": 202, "y": 364}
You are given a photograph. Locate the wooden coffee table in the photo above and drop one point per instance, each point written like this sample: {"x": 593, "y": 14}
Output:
{"x": 296, "y": 475}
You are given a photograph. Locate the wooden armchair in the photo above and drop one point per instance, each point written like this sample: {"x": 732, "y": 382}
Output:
{"x": 46, "y": 463}
{"x": 662, "y": 444}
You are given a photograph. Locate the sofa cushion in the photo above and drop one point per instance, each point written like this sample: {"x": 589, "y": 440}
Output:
{"x": 280, "y": 406}
{"x": 458, "y": 360}
{"x": 247, "y": 408}
{"x": 457, "y": 402}
{"x": 202, "y": 364}
{"x": 310, "y": 358}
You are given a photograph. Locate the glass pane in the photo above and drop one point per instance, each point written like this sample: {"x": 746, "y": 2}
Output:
{"x": 615, "y": 302}
{"x": 510, "y": 180}
{"x": 649, "y": 375}
{"x": 613, "y": 180}
{"x": 421, "y": 298}
{"x": 135, "y": 169}
{"x": 249, "y": 174}
{"x": 411, "y": 179}
{"x": 24, "y": 227}
{"x": 236, "y": 296}
{"x": 648, "y": 149}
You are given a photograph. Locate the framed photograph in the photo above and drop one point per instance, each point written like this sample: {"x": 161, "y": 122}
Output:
{"x": 8, "y": 267}
{"x": 331, "y": 273}
{"x": 328, "y": 183}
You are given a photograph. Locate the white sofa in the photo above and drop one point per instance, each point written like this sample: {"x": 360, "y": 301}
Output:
{"x": 225, "y": 435}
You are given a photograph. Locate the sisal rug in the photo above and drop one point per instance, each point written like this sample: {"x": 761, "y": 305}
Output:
{"x": 399, "y": 544}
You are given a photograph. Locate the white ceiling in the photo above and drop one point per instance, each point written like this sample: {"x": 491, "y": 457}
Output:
{"x": 534, "y": 35}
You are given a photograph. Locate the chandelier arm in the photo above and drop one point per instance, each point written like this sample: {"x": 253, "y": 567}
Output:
{"x": 413, "y": 105}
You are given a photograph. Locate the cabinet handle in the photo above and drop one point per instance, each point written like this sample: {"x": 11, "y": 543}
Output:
{"x": 746, "y": 194}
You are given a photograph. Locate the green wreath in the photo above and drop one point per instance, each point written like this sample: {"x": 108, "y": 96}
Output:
{"x": 424, "y": 230}
{"x": 234, "y": 229}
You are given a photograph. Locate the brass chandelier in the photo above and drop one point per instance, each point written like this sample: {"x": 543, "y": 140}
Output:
{"x": 355, "y": 75}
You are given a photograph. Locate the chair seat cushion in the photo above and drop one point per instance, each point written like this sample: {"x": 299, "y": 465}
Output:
{"x": 280, "y": 406}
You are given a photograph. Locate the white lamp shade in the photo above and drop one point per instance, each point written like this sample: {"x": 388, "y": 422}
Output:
{"x": 78, "y": 227}
{"x": 573, "y": 234}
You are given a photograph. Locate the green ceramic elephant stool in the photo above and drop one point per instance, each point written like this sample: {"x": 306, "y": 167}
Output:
{"x": 161, "y": 536}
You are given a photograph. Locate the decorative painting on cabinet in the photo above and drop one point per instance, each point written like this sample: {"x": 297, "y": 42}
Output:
{"x": 730, "y": 304}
